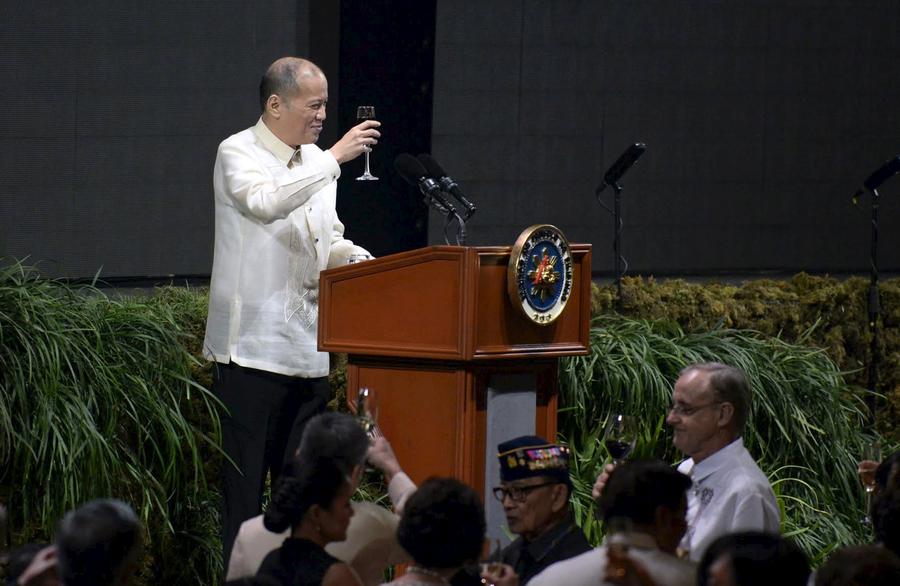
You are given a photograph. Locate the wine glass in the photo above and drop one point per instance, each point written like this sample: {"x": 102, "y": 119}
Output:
{"x": 871, "y": 457}
{"x": 364, "y": 416}
{"x": 621, "y": 435}
{"x": 366, "y": 113}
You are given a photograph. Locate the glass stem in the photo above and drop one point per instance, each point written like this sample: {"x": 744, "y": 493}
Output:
{"x": 367, "y": 164}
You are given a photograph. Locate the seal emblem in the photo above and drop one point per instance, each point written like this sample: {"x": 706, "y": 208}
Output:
{"x": 539, "y": 276}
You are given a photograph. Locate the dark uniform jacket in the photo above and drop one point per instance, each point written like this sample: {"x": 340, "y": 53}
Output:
{"x": 561, "y": 542}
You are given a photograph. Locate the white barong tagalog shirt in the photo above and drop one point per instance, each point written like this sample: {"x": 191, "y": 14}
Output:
{"x": 276, "y": 229}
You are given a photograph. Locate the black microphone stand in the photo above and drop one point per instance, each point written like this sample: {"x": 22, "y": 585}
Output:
{"x": 874, "y": 306}
{"x": 617, "y": 237}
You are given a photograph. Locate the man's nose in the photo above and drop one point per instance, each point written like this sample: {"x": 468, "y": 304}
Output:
{"x": 321, "y": 114}
{"x": 672, "y": 418}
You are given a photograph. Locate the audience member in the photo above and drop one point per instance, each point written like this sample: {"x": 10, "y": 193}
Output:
{"x": 442, "y": 528}
{"x": 753, "y": 558}
{"x": 534, "y": 491}
{"x": 886, "y": 517}
{"x": 312, "y": 497}
{"x": 710, "y": 409}
{"x": 862, "y": 565}
{"x": 19, "y": 559}
{"x": 98, "y": 544}
{"x": 651, "y": 498}
{"x": 371, "y": 542}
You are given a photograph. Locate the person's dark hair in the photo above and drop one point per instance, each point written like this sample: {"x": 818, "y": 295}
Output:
{"x": 280, "y": 78}
{"x": 730, "y": 385}
{"x": 757, "y": 558}
{"x": 860, "y": 565}
{"x": 18, "y": 559}
{"x": 96, "y": 541}
{"x": 637, "y": 487}
{"x": 443, "y": 524}
{"x": 886, "y": 517}
{"x": 302, "y": 485}
{"x": 888, "y": 471}
{"x": 335, "y": 436}
{"x": 258, "y": 580}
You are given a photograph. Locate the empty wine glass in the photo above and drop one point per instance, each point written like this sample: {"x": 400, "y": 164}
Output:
{"x": 620, "y": 437}
{"x": 366, "y": 113}
{"x": 364, "y": 415}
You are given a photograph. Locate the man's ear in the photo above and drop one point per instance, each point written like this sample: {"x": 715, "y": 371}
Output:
{"x": 560, "y": 498}
{"x": 726, "y": 414}
{"x": 274, "y": 106}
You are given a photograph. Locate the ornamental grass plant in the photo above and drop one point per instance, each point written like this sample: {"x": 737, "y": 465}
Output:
{"x": 97, "y": 399}
{"x": 805, "y": 430}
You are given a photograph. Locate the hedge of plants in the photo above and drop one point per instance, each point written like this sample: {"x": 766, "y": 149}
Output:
{"x": 106, "y": 395}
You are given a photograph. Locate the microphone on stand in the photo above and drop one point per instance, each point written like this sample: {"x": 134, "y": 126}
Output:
{"x": 878, "y": 176}
{"x": 414, "y": 173}
{"x": 622, "y": 164}
{"x": 448, "y": 185}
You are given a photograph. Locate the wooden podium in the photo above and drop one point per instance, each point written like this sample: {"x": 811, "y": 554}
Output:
{"x": 434, "y": 337}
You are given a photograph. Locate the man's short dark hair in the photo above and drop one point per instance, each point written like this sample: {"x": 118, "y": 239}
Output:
{"x": 335, "y": 436}
{"x": 755, "y": 558}
{"x": 860, "y": 565}
{"x": 728, "y": 384}
{"x": 636, "y": 488}
{"x": 96, "y": 541}
{"x": 886, "y": 518}
{"x": 443, "y": 524}
{"x": 281, "y": 79}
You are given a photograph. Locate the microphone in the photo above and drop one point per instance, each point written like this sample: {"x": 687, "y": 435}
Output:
{"x": 882, "y": 174}
{"x": 878, "y": 176}
{"x": 414, "y": 173}
{"x": 622, "y": 164}
{"x": 448, "y": 185}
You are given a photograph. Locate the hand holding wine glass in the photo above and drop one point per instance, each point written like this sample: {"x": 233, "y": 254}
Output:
{"x": 621, "y": 436}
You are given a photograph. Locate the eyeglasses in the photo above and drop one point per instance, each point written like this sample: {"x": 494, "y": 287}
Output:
{"x": 517, "y": 493}
{"x": 688, "y": 410}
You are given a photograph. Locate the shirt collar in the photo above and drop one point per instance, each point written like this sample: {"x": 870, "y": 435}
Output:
{"x": 638, "y": 540}
{"x": 283, "y": 152}
{"x": 544, "y": 543}
{"x": 718, "y": 460}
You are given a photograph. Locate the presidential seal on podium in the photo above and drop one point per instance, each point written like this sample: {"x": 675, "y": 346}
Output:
{"x": 539, "y": 275}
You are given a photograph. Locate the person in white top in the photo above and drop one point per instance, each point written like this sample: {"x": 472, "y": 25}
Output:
{"x": 648, "y": 498}
{"x": 276, "y": 228}
{"x": 371, "y": 543}
{"x": 710, "y": 408}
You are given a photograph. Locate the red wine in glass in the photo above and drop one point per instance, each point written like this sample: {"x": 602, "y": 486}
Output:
{"x": 364, "y": 113}
{"x": 621, "y": 436}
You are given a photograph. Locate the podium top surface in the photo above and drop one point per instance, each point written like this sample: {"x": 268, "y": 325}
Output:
{"x": 445, "y": 303}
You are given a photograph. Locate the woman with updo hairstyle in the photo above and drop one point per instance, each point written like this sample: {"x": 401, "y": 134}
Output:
{"x": 313, "y": 499}
{"x": 442, "y": 529}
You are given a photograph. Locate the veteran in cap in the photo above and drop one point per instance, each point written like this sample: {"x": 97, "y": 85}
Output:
{"x": 534, "y": 491}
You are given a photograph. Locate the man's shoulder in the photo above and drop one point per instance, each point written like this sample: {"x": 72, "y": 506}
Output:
{"x": 666, "y": 568}
{"x": 586, "y": 567}
{"x": 243, "y": 137}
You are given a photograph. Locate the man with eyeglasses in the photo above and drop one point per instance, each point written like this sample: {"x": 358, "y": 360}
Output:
{"x": 534, "y": 491}
{"x": 709, "y": 411}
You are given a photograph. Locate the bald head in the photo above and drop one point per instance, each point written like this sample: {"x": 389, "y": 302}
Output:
{"x": 285, "y": 78}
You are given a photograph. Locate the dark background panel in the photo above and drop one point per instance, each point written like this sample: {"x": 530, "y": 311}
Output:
{"x": 762, "y": 118}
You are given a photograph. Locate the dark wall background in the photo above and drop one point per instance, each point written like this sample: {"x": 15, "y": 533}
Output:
{"x": 762, "y": 118}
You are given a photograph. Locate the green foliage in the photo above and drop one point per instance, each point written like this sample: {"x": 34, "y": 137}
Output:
{"x": 805, "y": 428}
{"x": 97, "y": 399}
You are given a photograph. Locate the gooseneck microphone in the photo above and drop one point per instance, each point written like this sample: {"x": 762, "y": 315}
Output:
{"x": 622, "y": 164}
{"x": 415, "y": 174}
{"x": 448, "y": 185}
